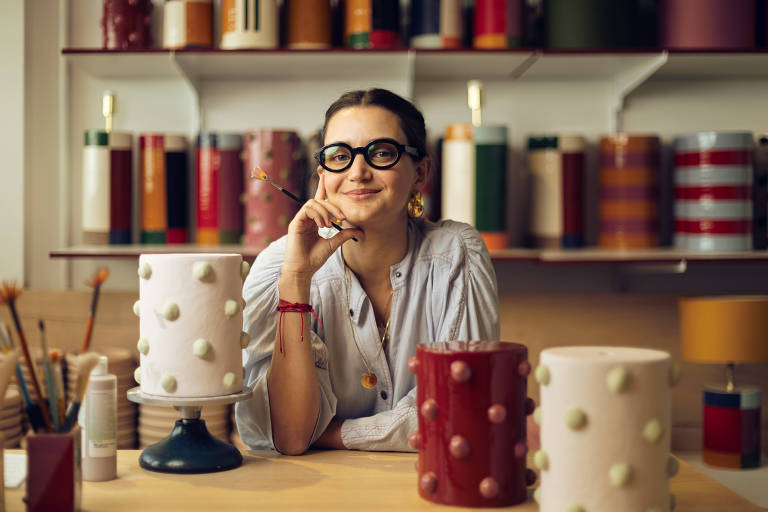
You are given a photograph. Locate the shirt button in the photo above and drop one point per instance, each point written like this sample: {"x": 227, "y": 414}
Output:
{"x": 383, "y": 395}
{"x": 398, "y": 274}
{"x": 351, "y": 313}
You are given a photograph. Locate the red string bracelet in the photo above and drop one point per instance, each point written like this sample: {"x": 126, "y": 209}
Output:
{"x": 293, "y": 307}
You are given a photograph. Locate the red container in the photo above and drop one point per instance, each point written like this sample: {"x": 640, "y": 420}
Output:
{"x": 54, "y": 478}
{"x": 267, "y": 211}
{"x": 127, "y": 24}
{"x": 708, "y": 24}
{"x": 472, "y": 407}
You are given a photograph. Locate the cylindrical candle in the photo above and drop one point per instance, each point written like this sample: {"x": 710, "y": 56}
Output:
{"x": 248, "y": 24}
{"x": 267, "y": 210}
{"x": 760, "y": 193}
{"x": 472, "y": 406}
{"x": 164, "y": 189}
{"x": 127, "y": 24}
{"x": 372, "y": 23}
{"x": 587, "y": 24}
{"x": 436, "y": 24}
{"x": 309, "y": 23}
{"x": 187, "y": 24}
{"x": 708, "y": 24}
{"x": 491, "y": 185}
{"x": 458, "y": 174}
{"x": 219, "y": 188}
{"x": 498, "y": 24}
{"x": 96, "y": 189}
{"x": 713, "y": 191}
{"x": 731, "y": 428}
{"x": 556, "y": 164}
{"x": 606, "y": 409}
{"x": 629, "y": 168}
{"x": 120, "y": 185}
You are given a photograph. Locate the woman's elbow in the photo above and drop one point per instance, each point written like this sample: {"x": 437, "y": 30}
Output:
{"x": 292, "y": 444}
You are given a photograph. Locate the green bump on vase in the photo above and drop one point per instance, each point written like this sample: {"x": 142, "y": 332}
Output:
{"x": 620, "y": 475}
{"x": 617, "y": 380}
{"x": 541, "y": 460}
{"x": 575, "y": 418}
{"x": 653, "y": 431}
{"x": 542, "y": 374}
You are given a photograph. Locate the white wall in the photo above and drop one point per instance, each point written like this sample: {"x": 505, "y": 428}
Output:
{"x": 46, "y": 208}
{"x": 12, "y": 139}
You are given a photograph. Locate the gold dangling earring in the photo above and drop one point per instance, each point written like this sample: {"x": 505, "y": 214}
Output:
{"x": 416, "y": 205}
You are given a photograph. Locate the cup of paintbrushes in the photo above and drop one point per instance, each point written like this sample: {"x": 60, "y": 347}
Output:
{"x": 54, "y": 474}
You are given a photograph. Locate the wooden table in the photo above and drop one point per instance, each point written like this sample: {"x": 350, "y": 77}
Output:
{"x": 319, "y": 481}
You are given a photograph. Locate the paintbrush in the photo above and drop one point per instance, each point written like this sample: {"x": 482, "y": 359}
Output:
{"x": 7, "y": 363}
{"x": 259, "y": 174}
{"x": 55, "y": 356}
{"x": 96, "y": 281}
{"x": 8, "y": 295}
{"x": 33, "y": 411}
{"x": 84, "y": 364}
{"x": 50, "y": 379}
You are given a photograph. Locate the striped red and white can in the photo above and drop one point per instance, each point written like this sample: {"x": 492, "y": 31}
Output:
{"x": 629, "y": 183}
{"x": 498, "y": 24}
{"x": 164, "y": 189}
{"x": 267, "y": 211}
{"x": 219, "y": 188}
{"x": 556, "y": 164}
{"x": 713, "y": 191}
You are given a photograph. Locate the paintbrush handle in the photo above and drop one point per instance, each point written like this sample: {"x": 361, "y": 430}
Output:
{"x": 33, "y": 411}
{"x": 71, "y": 416}
{"x": 290, "y": 194}
{"x": 87, "y": 335}
{"x": 35, "y": 383}
{"x": 53, "y": 396}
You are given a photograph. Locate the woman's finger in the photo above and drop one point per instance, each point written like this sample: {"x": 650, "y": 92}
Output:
{"x": 318, "y": 213}
{"x": 320, "y": 192}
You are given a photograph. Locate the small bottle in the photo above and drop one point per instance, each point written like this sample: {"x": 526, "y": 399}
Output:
{"x": 98, "y": 421}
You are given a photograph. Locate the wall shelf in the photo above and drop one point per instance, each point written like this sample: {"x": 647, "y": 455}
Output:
{"x": 531, "y": 64}
{"x": 583, "y": 256}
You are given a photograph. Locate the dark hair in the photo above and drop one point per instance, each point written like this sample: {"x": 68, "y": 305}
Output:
{"x": 411, "y": 120}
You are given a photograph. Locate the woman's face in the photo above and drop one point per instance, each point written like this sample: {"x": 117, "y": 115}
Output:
{"x": 368, "y": 196}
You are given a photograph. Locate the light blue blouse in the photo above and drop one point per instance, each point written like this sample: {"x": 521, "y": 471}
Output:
{"x": 444, "y": 289}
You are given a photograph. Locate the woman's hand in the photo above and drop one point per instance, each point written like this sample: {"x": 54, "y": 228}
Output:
{"x": 305, "y": 250}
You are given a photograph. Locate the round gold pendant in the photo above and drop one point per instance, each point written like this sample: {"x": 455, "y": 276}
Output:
{"x": 368, "y": 380}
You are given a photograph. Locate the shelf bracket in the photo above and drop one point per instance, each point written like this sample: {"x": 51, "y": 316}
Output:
{"x": 524, "y": 66}
{"x": 410, "y": 73}
{"x": 195, "y": 87}
{"x": 629, "y": 80}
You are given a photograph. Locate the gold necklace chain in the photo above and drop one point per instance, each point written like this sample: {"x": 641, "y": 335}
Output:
{"x": 369, "y": 379}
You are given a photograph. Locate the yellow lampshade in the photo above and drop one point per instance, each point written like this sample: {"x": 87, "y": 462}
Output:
{"x": 724, "y": 329}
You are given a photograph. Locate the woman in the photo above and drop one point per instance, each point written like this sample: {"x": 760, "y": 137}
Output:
{"x": 340, "y": 379}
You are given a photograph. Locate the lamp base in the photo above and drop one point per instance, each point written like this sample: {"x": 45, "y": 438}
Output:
{"x": 731, "y": 422}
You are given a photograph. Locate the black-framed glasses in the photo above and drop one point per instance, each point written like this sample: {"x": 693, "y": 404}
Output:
{"x": 379, "y": 154}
